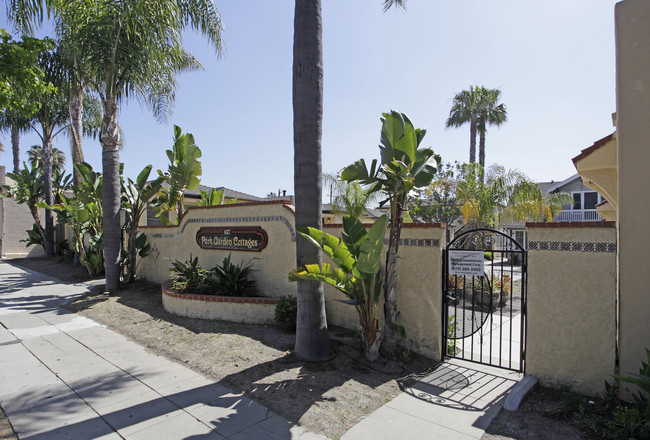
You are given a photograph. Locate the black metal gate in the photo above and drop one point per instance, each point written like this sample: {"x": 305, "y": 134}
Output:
{"x": 484, "y": 299}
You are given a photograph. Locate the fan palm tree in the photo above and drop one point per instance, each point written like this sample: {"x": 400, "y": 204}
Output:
{"x": 16, "y": 123}
{"x": 491, "y": 112}
{"x": 35, "y": 154}
{"x": 312, "y": 342}
{"x": 478, "y": 106}
{"x": 466, "y": 108}
{"x": 132, "y": 48}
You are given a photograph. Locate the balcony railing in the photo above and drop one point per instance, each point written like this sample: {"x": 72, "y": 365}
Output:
{"x": 577, "y": 215}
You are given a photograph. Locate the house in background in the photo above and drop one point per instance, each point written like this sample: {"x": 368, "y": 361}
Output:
{"x": 585, "y": 200}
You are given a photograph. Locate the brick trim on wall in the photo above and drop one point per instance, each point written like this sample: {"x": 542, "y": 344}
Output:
{"x": 166, "y": 290}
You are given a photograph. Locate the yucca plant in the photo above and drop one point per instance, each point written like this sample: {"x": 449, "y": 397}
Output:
{"x": 357, "y": 273}
{"x": 191, "y": 276}
{"x": 234, "y": 279}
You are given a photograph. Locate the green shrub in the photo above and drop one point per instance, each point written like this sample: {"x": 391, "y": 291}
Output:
{"x": 488, "y": 256}
{"x": 233, "y": 279}
{"x": 286, "y": 312}
{"x": 192, "y": 277}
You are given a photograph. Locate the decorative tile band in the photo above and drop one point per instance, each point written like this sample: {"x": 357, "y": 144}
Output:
{"x": 209, "y": 221}
{"x": 572, "y": 246}
{"x": 417, "y": 242}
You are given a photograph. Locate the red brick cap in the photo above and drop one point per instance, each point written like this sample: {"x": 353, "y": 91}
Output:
{"x": 167, "y": 290}
{"x": 601, "y": 224}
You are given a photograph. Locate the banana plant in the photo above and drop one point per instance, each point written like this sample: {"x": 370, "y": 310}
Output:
{"x": 78, "y": 217}
{"x": 214, "y": 198}
{"x": 184, "y": 172}
{"x": 357, "y": 272}
{"x": 403, "y": 167}
{"x": 135, "y": 196}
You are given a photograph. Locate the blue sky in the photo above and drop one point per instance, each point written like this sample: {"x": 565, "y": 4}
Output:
{"x": 552, "y": 60}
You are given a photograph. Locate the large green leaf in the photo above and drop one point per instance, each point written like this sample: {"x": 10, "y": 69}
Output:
{"x": 369, "y": 260}
{"x": 393, "y": 126}
{"x": 407, "y": 144}
{"x": 331, "y": 246}
{"x": 327, "y": 274}
{"x": 356, "y": 171}
{"x": 141, "y": 180}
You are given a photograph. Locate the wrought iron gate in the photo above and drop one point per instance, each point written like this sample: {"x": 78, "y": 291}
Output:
{"x": 484, "y": 299}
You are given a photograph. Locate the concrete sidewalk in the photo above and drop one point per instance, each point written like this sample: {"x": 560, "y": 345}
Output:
{"x": 65, "y": 376}
{"x": 455, "y": 402}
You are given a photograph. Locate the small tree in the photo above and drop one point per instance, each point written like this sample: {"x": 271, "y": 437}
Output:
{"x": 214, "y": 198}
{"x": 135, "y": 196}
{"x": 506, "y": 195}
{"x": 404, "y": 167}
{"x": 358, "y": 259}
{"x": 350, "y": 198}
{"x": 437, "y": 203}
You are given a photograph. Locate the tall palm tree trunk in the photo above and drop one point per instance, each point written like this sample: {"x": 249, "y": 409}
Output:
{"x": 109, "y": 138}
{"x": 47, "y": 188}
{"x": 312, "y": 341}
{"x": 75, "y": 107}
{"x": 15, "y": 147}
{"x": 481, "y": 146}
{"x": 472, "y": 141}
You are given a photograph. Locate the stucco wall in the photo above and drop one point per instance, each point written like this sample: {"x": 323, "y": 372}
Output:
{"x": 633, "y": 132}
{"x": 271, "y": 265}
{"x": 571, "y": 331}
{"x": 17, "y": 221}
{"x": 419, "y": 283}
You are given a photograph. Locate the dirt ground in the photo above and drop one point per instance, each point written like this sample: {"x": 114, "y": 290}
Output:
{"x": 328, "y": 397}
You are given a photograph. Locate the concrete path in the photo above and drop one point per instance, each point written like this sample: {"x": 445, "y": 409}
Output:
{"x": 456, "y": 402}
{"x": 63, "y": 376}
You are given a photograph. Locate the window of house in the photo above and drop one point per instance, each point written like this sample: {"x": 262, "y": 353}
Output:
{"x": 590, "y": 200}
{"x": 586, "y": 200}
{"x": 152, "y": 220}
{"x": 577, "y": 200}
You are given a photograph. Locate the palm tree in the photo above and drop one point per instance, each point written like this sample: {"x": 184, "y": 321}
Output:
{"x": 52, "y": 117}
{"x": 464, "y": 109}
{"x": 35, "y": 154}
{"x": 132, "y": 48}
{"x": 16, "y": 123}
{"x": 312, "y": 342}
{"x": 478, "y": 106}
{"x": 490, "y": 113}
{"x": 349, "y": 198}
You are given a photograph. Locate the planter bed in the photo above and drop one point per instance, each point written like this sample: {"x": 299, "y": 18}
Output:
{"x": 249, "y": 309}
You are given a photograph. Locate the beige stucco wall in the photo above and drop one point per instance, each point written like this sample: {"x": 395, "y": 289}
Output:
{"x": 571, "y": 314}
{"x": 17, "y": 220}
{"x": 633, "y": 114}
{"x": 248, "y": 313}
{"x": 419, "y": 268}
{"x": 271, "y": 265}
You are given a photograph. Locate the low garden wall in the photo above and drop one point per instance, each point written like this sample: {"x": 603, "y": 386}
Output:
{"x": 571, "y": 331}
{"x": 249, "y": 310}
{"x": 204, "y": 231}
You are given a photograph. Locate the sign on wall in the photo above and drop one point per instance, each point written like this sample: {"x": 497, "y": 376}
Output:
{"x": 466, "y": 263}
{"x": 235, "y": 238}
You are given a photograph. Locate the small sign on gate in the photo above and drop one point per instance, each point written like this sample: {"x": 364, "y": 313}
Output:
{"x": 466, "y": 263}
